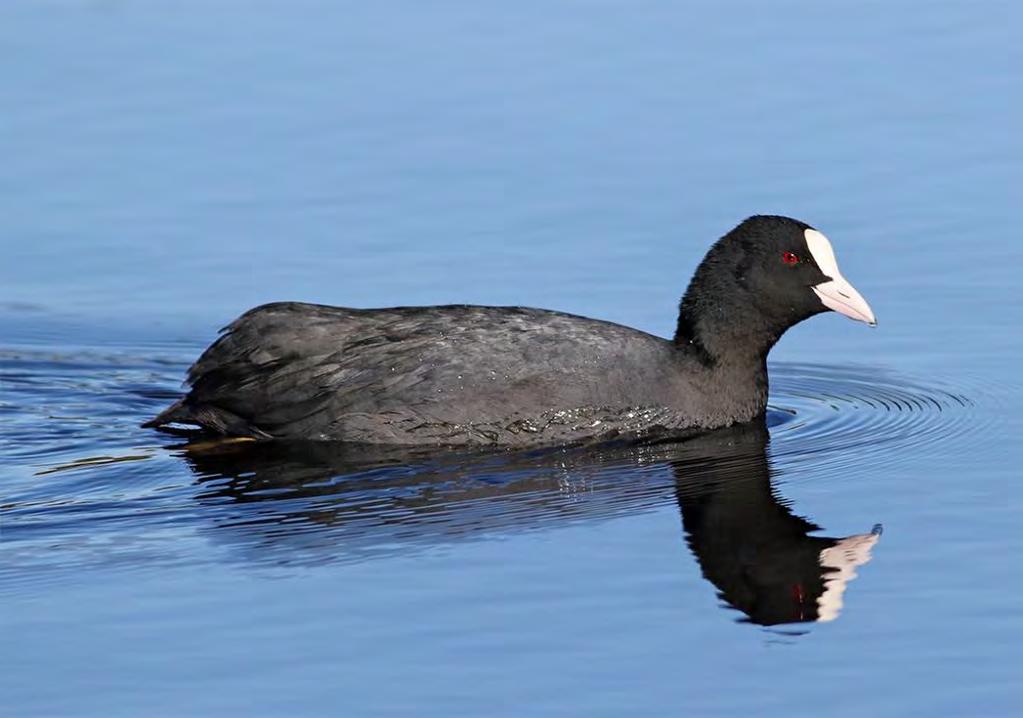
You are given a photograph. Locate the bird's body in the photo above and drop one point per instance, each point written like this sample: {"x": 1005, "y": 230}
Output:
{"x": 454, "y": 374}
{"x": 514, "y": 376}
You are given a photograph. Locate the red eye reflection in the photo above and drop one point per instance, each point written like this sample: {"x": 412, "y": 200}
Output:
{"x": 790, "y": 258}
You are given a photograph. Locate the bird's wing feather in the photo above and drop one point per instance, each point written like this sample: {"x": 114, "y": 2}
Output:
{"x": 285, "y": 368}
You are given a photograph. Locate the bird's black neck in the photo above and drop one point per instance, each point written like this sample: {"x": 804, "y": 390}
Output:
{"x": 725, "y": 334}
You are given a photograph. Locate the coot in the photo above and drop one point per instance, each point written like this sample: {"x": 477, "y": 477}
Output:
{"x": 515, "y": 376}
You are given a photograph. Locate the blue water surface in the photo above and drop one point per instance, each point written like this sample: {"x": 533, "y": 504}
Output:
{"x": 167, "y": 166}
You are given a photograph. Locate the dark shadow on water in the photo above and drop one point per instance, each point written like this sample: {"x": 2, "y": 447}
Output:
{"x": 286, "y": 504}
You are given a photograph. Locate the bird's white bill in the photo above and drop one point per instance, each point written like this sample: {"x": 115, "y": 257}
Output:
{"x": 840, "y": 296}
{"x": 837, "y": 294}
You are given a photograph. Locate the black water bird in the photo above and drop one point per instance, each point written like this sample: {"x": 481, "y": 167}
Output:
{"x": 515, "y": 376}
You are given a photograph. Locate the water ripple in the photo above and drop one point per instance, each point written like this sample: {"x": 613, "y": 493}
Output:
{"x": 836, "y": 416}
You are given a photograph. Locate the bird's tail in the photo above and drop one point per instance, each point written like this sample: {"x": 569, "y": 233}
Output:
{"x": 208, "y": 418}
{"x": 176, "y": 413}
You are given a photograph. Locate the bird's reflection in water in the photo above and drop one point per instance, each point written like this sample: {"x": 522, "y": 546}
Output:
{"x": 318, "y": 502}
{"x": 749, "y": 544}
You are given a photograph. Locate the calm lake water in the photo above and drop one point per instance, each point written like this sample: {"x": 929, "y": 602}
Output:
{"x": 167, "y": 166}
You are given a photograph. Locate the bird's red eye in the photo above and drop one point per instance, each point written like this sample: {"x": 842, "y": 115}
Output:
{"x": 789, "y": 258}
